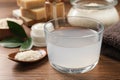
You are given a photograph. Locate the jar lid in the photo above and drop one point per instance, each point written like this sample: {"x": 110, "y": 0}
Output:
{"x": 94, "y": 4}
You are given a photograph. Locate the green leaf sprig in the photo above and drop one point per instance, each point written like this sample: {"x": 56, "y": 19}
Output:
{"x": 19, "y": 40}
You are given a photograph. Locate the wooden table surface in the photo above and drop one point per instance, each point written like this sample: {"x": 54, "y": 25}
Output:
{"x": 107, "y": 68}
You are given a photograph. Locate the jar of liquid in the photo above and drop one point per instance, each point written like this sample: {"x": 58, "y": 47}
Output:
{"x": 38, "y": 35}
{"x": 102, "y": 10}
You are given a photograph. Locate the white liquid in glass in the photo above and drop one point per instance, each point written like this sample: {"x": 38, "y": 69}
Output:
{"x": 74, "y": 52}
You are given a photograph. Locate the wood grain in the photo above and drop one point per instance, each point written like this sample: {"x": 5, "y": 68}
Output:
{"x": 107, "y": 68}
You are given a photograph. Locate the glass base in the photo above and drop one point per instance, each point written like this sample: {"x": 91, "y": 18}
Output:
{"x": 74, "y": 70}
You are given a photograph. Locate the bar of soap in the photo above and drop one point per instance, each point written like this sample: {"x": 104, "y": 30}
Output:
{"x": 49, "y": 9}
{"x": 27, "y": 21}
{"x": 35, "y": 14}
{"x": 30, "y": 22}
{"x": 30, "y": 4}
{"x": 56, "y": 1}
{"x": 17, "y": 13}
{"x": 18, "y": 2}
{"x": 60, "y": 10}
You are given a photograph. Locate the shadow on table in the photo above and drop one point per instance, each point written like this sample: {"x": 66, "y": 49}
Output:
{"x": 110, "y": 52}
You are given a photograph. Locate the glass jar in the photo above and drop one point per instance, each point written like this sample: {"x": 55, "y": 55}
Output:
{"x": 37, "y": 35}
{"x": 102, "y": 10}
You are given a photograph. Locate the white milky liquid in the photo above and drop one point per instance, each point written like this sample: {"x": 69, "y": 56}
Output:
{"x": 74, "y": 52}
{"x": 107, "y": 16}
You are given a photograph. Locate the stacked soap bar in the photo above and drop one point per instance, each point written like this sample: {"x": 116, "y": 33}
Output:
{"x": 37, "y": 14}
{"x": 34, "y": 11}
{"x": 29, "y": 4}
{"x": 59, "y": 7}
{"x": 56, "y": 1}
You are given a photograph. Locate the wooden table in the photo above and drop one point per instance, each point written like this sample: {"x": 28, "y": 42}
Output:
{"x": 107, "y": 68}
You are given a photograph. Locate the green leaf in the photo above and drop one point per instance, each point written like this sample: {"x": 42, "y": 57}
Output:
{"x": 27, "y": 45}
{"x": 16, "y": 29}
{"x": 11, "y": 42}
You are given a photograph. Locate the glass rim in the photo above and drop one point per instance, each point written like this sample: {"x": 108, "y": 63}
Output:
{"x": 109, "y": 4}
{"x": 101, "y": 29}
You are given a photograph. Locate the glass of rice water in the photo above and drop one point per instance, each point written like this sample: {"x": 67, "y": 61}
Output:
{"x": 73, "y": 43}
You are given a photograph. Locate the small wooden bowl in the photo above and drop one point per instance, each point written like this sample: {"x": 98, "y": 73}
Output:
{"x": 11, "y": 56}
{"x": 5, "y": 33}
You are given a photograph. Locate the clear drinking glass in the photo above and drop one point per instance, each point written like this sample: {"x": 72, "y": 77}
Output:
{"x": 74, "y": 47}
